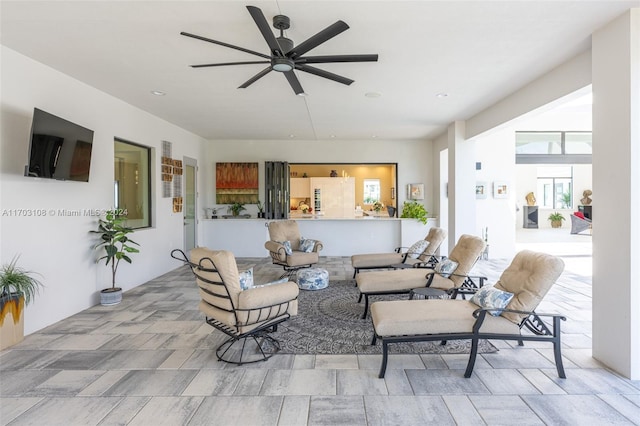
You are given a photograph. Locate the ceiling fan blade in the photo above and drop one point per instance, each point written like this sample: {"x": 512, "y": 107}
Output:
{"x": 221, "y": 43}
{"x": 229, "y": 63}
{"x": 323, "y": 73}
{"x": 314, "y": 41}
{"x": 336, "y": 58}
{"x": 264, "y": 28}
{"x": 294, "y": 82}
{"x": 255, "y": 78}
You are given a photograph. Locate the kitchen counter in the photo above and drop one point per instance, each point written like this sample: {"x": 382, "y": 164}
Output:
{"x": 340, "y": 236}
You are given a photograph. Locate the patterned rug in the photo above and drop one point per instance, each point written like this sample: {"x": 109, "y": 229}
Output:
{"x": 328, "y": 322}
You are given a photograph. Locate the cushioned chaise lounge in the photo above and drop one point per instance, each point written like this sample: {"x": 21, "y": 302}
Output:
{"x": 465, "y": 253}
{"x": 528, "y": 279}
{"x": 435, "y": 237}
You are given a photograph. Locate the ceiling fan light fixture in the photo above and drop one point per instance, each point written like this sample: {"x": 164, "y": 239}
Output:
{"x": 282, "y": 64}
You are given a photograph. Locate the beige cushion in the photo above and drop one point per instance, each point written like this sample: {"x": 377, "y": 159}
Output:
{"x": 225, "y": 263}
{"x": 529, "y": 277}
{"x": 433, "y": 316}
{"x": 435, "y": 237}
{"x": 466, "y": 252}
{"x": 248, "y": 301}
{"x": 396, "y": 280}
{"x": 375, "y": 260}
{"x": 285, "y": 230}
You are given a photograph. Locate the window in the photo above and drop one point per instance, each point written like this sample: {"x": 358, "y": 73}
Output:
{"x": 371, "y": 191}
{"x": 553, "y": 148}
{"x": 132, "y": 182}
{"x": 555, "y": 187}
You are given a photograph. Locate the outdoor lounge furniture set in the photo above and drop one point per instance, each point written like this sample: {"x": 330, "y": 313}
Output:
{"x": 248, "y": 314}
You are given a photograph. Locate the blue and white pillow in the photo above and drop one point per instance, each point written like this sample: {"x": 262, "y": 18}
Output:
{"x": 416, "y": 250}
{"x": 446, "y": 267}
{"x": 287, "y": 247}
{"x": 246, "y": 279}
{"x": 489, "y": 297}
{"x": 307, "y": 245}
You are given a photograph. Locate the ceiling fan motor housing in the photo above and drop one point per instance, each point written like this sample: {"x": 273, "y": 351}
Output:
{"x": 281, "y": 22}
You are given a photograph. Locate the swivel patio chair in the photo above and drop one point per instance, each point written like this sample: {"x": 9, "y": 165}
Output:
{"x": 412, "y": 255}
{"x": 452, "y": 274}
{"x": 510, "y": 303}
{"x": 245, "y": 316}
{"x": 288, "y": 249}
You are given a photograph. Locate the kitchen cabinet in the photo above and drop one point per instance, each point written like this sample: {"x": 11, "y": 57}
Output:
{"x": 300, "y": 187}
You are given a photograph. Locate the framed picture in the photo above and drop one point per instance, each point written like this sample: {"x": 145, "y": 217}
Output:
{"x": 481, "y": 190}
{"x": 500, "y": 189}
{"x": 415, "y": 191}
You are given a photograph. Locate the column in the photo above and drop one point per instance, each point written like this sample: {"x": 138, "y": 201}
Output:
{"x": 616, "y": 187}
{"x": 461, "y": 190}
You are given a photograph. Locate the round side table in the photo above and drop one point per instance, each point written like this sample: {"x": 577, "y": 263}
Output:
{"x": 428, "y": 293}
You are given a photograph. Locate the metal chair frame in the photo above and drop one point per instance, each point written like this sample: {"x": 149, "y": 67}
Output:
{"x": 533, "y": 322}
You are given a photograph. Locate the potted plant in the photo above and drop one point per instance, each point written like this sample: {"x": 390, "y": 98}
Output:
{"x": 18, "y": 287}
{"x": 260, "y": 209}
{"x": 415, "y": 210}
{"x": 114, "y": 239}
{"x": 556, "y": 219}
{"x": 236, "y": 208}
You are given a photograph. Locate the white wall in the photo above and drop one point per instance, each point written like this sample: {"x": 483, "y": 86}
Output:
{"x": 415, "y": 161}
{"x": 496, "y": 153}
{"x": 59, "y": 247}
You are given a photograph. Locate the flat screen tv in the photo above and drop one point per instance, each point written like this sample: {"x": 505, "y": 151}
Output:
{"x": 59, "y": 149}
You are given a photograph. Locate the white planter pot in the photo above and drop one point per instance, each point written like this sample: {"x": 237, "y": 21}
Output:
{"x": 110, "y": 296}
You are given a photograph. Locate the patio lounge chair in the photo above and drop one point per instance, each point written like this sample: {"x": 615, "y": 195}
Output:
{"x": 401, "y": 281}
{"x": 434, "y": 238}
{"x": 495, "y": 316}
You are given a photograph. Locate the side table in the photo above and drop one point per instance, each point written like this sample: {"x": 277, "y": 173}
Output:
{"x": 428, "y": 293}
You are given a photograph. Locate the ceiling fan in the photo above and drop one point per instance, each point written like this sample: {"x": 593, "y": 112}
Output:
{"x": 285, "y": 57}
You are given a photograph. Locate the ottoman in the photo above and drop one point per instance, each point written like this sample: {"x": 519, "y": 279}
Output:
{"x": 312, "y": 279}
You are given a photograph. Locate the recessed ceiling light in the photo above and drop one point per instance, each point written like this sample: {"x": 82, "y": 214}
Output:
{"x": 373, "y": 94}
{"x": 292, "y": 136}
{"x": 333, "y": 136}
{"x": 374, "y": 136}
{"x": 158, "y": 93}
{"x": 442, "y": 95}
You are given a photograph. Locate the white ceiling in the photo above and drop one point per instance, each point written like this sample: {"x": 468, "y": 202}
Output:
{"x": 476, "y": 51}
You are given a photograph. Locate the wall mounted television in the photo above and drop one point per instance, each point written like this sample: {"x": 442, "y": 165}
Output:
{"x": 58, "y": 149}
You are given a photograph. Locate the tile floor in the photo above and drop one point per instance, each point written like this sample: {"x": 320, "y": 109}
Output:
{"x": 150, "y": 361}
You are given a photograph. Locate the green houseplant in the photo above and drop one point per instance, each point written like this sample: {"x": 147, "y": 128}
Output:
{"x": 18, "y": 287}
{"x": 556, "y": 219}
{"x": 117, "y": 246}
{"x": 236, "y": 208}
{"x": 413, "y": 209}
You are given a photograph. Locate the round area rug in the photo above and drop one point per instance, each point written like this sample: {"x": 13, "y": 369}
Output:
{"x": 329, "y": 322}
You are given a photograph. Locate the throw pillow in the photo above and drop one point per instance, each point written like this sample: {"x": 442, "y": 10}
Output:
{"x": 580, "y": 215}
{"x": 489, "y": 297}
{"x": 416, "y": 250}
{"x": 246, "y": 279}
{"x": 307, "y": 245}
{"x": 446, "y": 267}
{"x": 287, "y": 247}
{"x": 280, "y": 281}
